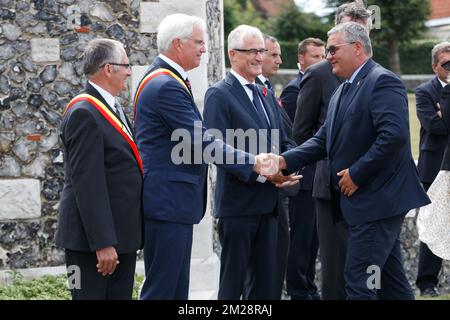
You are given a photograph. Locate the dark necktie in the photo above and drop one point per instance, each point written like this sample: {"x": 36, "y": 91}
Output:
{"x": 257, "y": 104}
{"x": 268, "y": 85}
{"x": 188, "y": 84}
{"x": 340, "y": 107}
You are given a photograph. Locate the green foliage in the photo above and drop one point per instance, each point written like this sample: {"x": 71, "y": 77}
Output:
{"x": 238, "y": 12}
{"x": 45, "y": 288}
{"x": 293, "y": 25}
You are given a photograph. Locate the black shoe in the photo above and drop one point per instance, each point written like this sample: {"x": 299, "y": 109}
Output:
{"x": 430, "y": 292}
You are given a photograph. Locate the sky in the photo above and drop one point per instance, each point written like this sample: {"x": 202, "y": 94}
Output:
{"x": 316, "y": 6}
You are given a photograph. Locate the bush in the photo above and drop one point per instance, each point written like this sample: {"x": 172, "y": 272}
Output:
{"x": 45, "y": 288}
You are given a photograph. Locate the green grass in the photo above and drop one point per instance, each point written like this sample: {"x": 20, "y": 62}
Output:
{"x": 45, "y": 288}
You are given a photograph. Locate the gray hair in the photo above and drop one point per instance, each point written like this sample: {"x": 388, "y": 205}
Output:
{"x": 356, "y": 11}
{"x": 237, "y": 36}
{"x": 98, "y": 52}
{"x": 270, "y": 38}
{"x": 353, "y": 32}
{"x": 176, "y": 26}
{"x": 437, "y": 50}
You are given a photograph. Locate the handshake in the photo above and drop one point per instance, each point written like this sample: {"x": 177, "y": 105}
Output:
{"x": 270, "y": 165}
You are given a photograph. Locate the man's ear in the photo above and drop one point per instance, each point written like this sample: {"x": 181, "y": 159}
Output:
{"x": 231, "y": 55}
{"x": 301, "y": 59}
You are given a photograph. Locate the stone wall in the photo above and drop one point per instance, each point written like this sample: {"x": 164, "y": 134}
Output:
{"x": 41, "y": 42}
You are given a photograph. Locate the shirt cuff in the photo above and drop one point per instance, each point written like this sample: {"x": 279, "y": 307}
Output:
{"x": 261, "y": 179}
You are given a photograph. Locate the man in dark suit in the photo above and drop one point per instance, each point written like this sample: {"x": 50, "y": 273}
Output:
{"x": 100, "y": 222}
{"x": 310, "y": 51}
{"x": 374, "y": 181}
{"x": 247, "y": 211}
{"x": 174, "y": 191}
{"x": 433, "y": 140}
{"x": 303, "y": 247}
{"x": 316, "y": 88}
{"x": 270, "y": 66}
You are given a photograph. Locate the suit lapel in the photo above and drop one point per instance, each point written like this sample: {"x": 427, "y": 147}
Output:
{"x": 160, "y": 63}
{"x": 239, "y": 93}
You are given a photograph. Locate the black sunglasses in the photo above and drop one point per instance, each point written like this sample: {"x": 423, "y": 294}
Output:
{"x": 332, "y": 49}
{"x": 446, "y": 65}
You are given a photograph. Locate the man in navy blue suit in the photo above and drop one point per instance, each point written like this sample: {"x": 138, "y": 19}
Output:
{"x": 247, "y": 210}
{"x": 310, "y": 51}
{"x": 374, "y": 181}
{"x": 174, "y": 190}
{"x": 433, "y": 140}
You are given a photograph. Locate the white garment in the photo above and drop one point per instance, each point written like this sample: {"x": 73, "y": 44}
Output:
{"x": 433, "y": 220}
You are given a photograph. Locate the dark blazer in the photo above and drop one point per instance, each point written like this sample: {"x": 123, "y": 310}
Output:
{"x": 176, "y": 192}
{"x": 433, "y": 134}
{"x": 445, "y": 109}
{"x": 227, "y": 106}
{"x": 289, "y": 96}
{"x": 316, "y": 88}
{"x": 371, "y": 138}
{"x": 101, "y": 200}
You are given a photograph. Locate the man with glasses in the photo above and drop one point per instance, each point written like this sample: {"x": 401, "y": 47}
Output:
{"x": 174, "y": 191}
{"x": 373, "y": 179}
{"x": 247, "y": 210}
{"x": 100, "y": 217}
{"x": 316, "y": 88}
{"x": 433, "y": 140}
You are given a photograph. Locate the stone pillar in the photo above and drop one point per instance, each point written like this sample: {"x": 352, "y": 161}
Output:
{"x": 204, "y": 278}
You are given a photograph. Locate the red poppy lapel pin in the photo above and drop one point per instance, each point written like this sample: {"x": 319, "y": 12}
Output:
{"x": 264, "y": 90}
{"x": 279, "y": 103}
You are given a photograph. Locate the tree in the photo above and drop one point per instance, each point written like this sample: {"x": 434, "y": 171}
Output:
{"x": 236, "y": 12}
{"x": 401, "y": 22}
{"x": 293, "y": 25}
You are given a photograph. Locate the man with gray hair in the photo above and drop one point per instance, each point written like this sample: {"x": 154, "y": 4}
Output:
{"x": 247, "y": 210}
{"x": 100, "y": 216}
{"x": 373, "y": 179}
{"x": 316, "y": 89}
{"x": 433, "y": 140}
{"x": 174, "y": 193}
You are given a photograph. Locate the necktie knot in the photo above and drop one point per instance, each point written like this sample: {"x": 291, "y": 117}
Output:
{"x": 268, "y": 85}
{"x": 188, "y": 84}
{"x": 346, "y": 87}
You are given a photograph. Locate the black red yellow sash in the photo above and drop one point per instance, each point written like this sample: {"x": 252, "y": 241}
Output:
{"x": 150, "y": 76}
{"x": 112, "y": 119}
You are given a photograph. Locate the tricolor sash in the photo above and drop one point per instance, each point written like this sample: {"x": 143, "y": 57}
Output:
{"x": 152, "y": 75}
{"x": 112, "y": 119}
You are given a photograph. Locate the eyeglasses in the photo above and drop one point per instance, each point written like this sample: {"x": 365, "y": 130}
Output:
{"x": 125, "y": 65}
{"x": 446, "y": 65}
{"x": 332, "y": 49}
{"x": 201, "y": 43}
{"x": 253, "y": 51}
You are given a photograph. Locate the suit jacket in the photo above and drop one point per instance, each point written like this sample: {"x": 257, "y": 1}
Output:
{"x": 316, "y": 88}
{"x": 174, "y": 191}
{"x": 289, "y": 96}
{"x": 445, "y": 109}
{"x": 101, "y": 200}
{"x": 227, "y": 106}
{"x": 371, "y": 138}
{"x": 433, "y": 134}
{"x": 287, "y": 127}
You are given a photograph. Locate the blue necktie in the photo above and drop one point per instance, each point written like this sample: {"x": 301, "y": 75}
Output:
{"x": 258, "y": 106}
{"x": 268, "y": 85}
{"x": 340, "y": 107}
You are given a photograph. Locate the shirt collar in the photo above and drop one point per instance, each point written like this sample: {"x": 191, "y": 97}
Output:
{"x": 240, "y": 78}
{"x": 263, "y": 79}
{"x": 109, "y": 98}
{"x": 174, "y": 65}
{"x": 442, "y": 83}
{"x": 356, "y": 73}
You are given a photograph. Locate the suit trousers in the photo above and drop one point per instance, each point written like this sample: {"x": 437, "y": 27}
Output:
{"x": 374, "y": 267}
{"x": 429, "y": 264}
{"x": 167, "y": 259}
{"x": 303, "y": 248}
{"x": 94, "y": 286}
{"x": 283, "y": 243}
{"x": 333, "y": 237}
{"x": 248, "y": 258}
